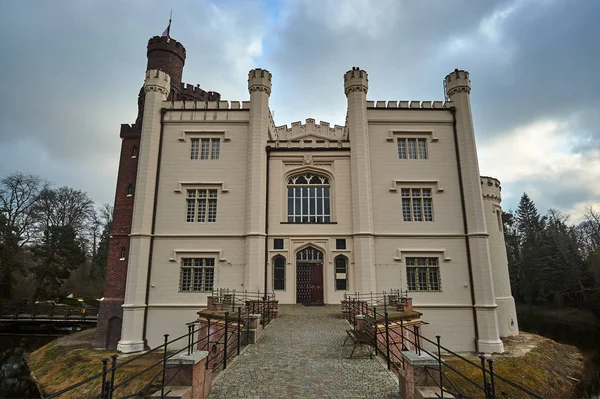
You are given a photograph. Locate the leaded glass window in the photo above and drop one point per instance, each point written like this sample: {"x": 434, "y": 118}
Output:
{"x": 409, "y": 148}
{"x": 417, "y": 205}
{"x": 197, "y": 275}
{"x": 423, "y": 274}
{"x": 309, "y": 253}
{"x": 201, "y": 205}
{"x": 309, "y": 199}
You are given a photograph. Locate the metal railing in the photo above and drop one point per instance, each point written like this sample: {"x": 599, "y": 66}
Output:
{"x": 253, "y": 302}
{"x": 392, "y": 337}
{"x": 220, "y": 336}
{"x": 48, "y": 312}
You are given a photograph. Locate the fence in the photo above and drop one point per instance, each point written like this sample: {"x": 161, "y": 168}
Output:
{"x": 253, "y": 302}
{"x": 48, "y": 313}
{"x": 221, "y": 336}
{"x": 398, "y": 334}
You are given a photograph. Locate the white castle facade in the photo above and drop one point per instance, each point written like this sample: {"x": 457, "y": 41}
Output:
{"x": 394, "y": 199}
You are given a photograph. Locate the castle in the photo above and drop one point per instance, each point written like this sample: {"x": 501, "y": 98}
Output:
{"x": 212, "y": 194}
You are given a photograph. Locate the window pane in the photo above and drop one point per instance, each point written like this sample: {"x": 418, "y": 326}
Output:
{"x": 412, "y": 151}
{"x": 279, "y": 274}
{"x": 427, "y": 209}
{"x": 212, "y": 210}
{"x": 201, "y": 210}
{"x": 422, "y": 278}
{"x": 405, "y": 192}
{"x": 194, "y": 149}
{"x": 209, "y": 278}
{"x": 308, "y": 199}
{"x": 290, "y": 206}
{"x": 422, "y": 149}
{"x": 216, "y": 148}
{"x": 205, "y": 147}
{"x": 434, "y": 284}
{"x": 191, "y": 205}
{"x": 406, "y": 209}
{"x": 402, "y": 148}
{"x": 411, "y": 278}
{"x": 186, "y": 278}
{"x": 197, "y": 279}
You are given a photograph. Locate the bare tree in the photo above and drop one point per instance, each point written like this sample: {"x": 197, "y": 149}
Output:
{"x": 65, "y": 206}
{"x": 19, "y": 196}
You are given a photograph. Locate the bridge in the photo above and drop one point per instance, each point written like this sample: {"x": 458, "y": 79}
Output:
{"x": 28, "y": 314}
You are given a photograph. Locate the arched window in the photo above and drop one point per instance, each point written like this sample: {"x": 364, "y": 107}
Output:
{"x": 308, "y": 199}
{"x": 309, "y": 253}
{"x": 134, "y": 152}
{"x": 341, "y": 273}
{"x": 130, "y": 190}
{"x": 279, "y": 273}
{"x": 123, "y": 253}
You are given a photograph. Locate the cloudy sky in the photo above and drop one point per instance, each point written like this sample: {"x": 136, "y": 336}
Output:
{"x": 70, "y": 71}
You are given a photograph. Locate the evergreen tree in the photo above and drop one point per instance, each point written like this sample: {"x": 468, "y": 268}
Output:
{"x": 57, "y": 255}
{"x": 529, "y": 266}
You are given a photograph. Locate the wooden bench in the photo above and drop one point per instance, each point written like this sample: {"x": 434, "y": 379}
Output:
{"x": 365, "y": 337}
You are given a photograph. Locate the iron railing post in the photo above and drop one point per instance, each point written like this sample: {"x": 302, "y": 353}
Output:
{"x": 387, "y": 339}
{"x": 417, "y": 340}
{"x": 113, "y": 370}
{"x": 439, "y": 353}
{"x": 492, "y": 385}
{"x": 239, "y": 330}
{"x": 190, "y": 341}
{"x": 164, "y": 370}
{"x": 193, "y": 334}
{"x": 226, "y": 340}
{"x": 104, "y": 372}
{"x": 374, "y": 329}
{"x": 483, "y": 370}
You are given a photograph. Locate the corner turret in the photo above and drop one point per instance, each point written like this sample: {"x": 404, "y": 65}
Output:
{"x": 457, "y": 82}
{"x": 259, "y": 80}
{"x": 356, "y": 79}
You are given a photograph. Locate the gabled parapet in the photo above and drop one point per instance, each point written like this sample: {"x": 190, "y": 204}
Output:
{"x": 310, "y": 128}
{"x": 491, "y": 188}
{"x": 130, "y": 131}
{"x": 189, "y": 92}
{"x": 404, "y": 104}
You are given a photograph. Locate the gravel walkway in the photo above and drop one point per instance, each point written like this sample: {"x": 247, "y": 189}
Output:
{"x": 300, "y": 356}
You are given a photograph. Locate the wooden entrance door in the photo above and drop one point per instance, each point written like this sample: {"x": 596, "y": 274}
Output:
{"x": 309, "y": 283}
{"x": 316, "y": 283}
{"x": 303, "y": 282}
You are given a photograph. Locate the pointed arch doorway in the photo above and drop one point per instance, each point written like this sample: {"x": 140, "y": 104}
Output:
{"x": 309, "y": 276}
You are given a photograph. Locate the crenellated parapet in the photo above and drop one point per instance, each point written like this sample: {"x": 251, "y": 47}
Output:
{"x": 189, "y": 92}
{"x": 157, "y": 81}
{"x": 130, "y": 131}
{"x": 203, "y": 105}
{"x": 491, "y": 188}
{"x": 356, "y": 80}
{"x": 259, "y": 80}
{"x": 410, "y": 104}
{"x": 310, "y": 128}
{"x": 457, "y": 82}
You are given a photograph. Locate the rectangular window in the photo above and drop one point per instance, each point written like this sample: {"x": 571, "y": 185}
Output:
{"x": 194, "y": 149}
{"x": 340, "y": 243}
{"x": 417, "y": 205}
{"x": 201, "y": 205}
{"x": 278, "y": 243}
{"x": 197, "y": 275}
{"x": 423, "y": 274}
{"x": 279, "y": 273}
{"x": 412, "y": 148}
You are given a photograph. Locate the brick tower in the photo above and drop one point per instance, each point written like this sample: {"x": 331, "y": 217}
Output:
{"x": 167, "y": 55}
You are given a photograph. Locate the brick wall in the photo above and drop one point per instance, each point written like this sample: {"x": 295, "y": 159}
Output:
{"x": 108, "y": 332}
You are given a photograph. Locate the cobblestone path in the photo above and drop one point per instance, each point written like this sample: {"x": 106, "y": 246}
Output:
{"x": 300, "y": 356}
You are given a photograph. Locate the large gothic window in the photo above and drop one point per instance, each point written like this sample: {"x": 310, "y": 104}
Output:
{"x": 308, "y": 199}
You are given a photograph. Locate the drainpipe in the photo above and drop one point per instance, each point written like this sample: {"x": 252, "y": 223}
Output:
{"x": 268, "y": 151}
{"x": 465, "y": 226}
{"x": 163, "y": 111}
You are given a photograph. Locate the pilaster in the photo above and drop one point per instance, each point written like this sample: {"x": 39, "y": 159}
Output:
{"x": 356, "y": 85}
{"x": 458, "y": 87}
{"x": 156, "y": 87}
{"x": 259, "y": 86}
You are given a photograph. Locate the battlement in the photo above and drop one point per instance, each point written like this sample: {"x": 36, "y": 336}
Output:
{"x": 410, "y": 104}
{"x": 457, "y": 81}
{"x": 189, "y": 92}
{"x": 129, "y": 131}
{"x": 207, "y": 104}
{"x": 259, "y": 80}
{"x": 163, "y": 43}
{"x": 272, "y": 128}
{"x": 491, "y": 188}
{"x": 356, "y": 79}
{"x": 310, "y": 128}
{"x": 157, "y": 80}
{"x": 355, "y": 72}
